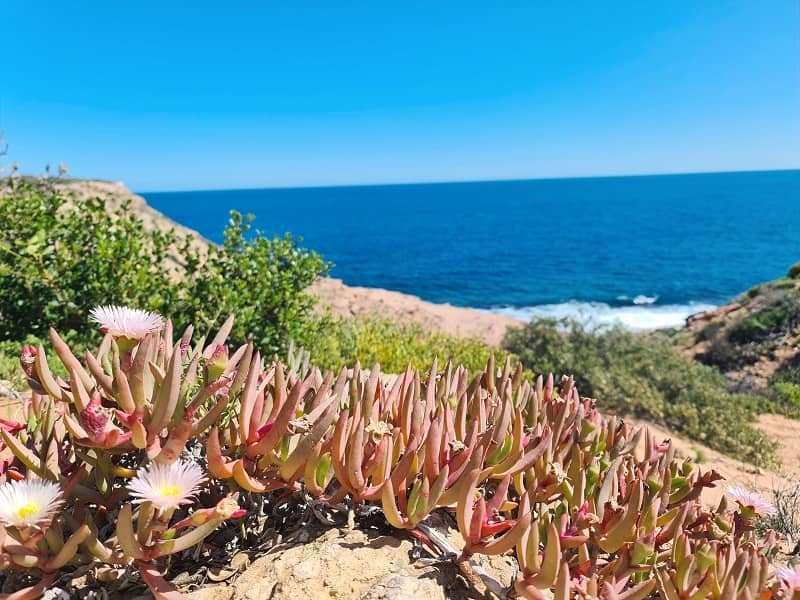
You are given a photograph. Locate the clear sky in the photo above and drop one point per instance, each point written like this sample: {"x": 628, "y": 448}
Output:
{"x": 196, "y": 95}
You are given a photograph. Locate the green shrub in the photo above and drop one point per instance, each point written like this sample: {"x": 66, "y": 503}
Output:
{"x": 788, "y": 398}
{"x": 644, "y": 376}
{"x": 262, "y": 281}
{"x": 783, "y": 284}
{"x": 343, "y": 341}
{"x": 794, "y": 271}
{"x": 784, "y": 392}
{"x": 780, "y": 316}
{"x": 9, "y": 366}
{"x": 61, "y": 256}
{"x": 710, "y": 330}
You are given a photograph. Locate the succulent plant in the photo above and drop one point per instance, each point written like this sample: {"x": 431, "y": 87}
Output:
{"x": 590, "y": 506}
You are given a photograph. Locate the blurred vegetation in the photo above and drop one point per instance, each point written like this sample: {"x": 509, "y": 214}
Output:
{"x": 343, "y": 341}
{"x": 784, "y": 390}
{"x": 9, "y": 365}
{"x": 642, "y": 375}
{"x": 773, "y": 312}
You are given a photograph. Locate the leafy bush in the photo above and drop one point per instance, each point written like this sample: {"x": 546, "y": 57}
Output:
{"x": 9, "y": 365}
{"x": 60, "y": 256}
{"x": 710, "y": 330}
{"x": 263, "y": 281}
{"x": 794, "y": 271}
{"x": 754, "y": 291}
{"x": 644, "y": 376}
{"x": 780, "y": 316}
{"x": 343, "y": 341}
{"x": 784, "y": 391}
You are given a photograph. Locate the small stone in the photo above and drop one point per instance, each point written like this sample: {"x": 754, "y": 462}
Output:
{"x": 307, "y": 569}
{"x": 401, "y": 587}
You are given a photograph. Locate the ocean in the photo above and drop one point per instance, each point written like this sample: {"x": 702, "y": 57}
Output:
{"x": 643, "y": 251}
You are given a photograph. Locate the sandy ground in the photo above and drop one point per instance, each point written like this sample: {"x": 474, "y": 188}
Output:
{"x": 348, "y": 301}
{"x": 784, "y": 431}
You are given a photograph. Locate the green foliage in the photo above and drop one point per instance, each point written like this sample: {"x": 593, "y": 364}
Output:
{"x": 343, "y": 341}
{"x": 261, "y": 280}
{"x": 779, "y": 316}
{"x": 710, "y": 330}
{"x": 644, "y": 376}
{"x": 788, "y": 398}
{"x": 10, "y": 369}
{"x": 784, "y": 391}
{"x": 783, "y": 284}
{"x": 794, "y": 271}
{"x": 61, "y": 256}
{"x": 9, "y": 365}
{"x": 59, "y": 259}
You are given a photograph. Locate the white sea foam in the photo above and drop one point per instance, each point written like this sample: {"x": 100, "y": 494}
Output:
{"x": 639, "y": 317}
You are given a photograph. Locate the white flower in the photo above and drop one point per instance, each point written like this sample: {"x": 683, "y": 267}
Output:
{"x": 755, "y": 502}
{"x": 28, "y": 503}
{"x": 167, "y": 486}
{"x": 124, "y": 322}
{"x": 789, "y": 578}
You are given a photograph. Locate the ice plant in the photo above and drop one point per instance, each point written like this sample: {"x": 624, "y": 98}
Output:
{"x": 167, "y": 486}
{"x": 751, "y": 502}
{"x": 29, "y": 503}
{"x": 789, "y": 579}
{"x": 592, "y": 507}
{"x": 126, "y": 325}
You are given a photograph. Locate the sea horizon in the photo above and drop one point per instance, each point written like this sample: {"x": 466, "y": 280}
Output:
{"x": 644, "y": 251}
{"x": 458, "y": 181}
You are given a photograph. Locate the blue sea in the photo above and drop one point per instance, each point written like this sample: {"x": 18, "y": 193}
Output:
{"x": 644, "y": 251}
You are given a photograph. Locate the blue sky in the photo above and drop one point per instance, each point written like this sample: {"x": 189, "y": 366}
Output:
{"x": 172, "y": 95}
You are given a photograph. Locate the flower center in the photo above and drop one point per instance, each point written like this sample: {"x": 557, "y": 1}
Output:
{"x": 26, "y": 510}
{"x": 169, "y": 491}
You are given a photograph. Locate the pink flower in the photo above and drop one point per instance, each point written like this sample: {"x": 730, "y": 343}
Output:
{"x": 167, "y": 486}
{"x": 29, "y": 503}
{"x": 752, "y": 501}
{"x": 128, "y": 323}
{"x": 789, "y": 578}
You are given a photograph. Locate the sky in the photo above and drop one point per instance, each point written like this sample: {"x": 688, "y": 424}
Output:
{"x": 174, "y": 95}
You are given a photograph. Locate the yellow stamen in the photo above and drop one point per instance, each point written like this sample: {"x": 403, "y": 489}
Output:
{"x": 26, "y": 510}
{"x": 169, "y": 491}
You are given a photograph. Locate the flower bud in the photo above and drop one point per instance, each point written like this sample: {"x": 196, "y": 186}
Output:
{"x": 27, "y": 360}
{"x": 216, "y": 365}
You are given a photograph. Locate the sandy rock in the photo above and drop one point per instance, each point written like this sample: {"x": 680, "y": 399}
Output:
{"x": 357, "y": 565}
{"x": 7, "y": 393}
{"x": 348, "y": 301}
{"x": 400, "y": 587}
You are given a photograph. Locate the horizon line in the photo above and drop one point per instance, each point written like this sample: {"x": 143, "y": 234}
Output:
{"x": 460, "y": 181}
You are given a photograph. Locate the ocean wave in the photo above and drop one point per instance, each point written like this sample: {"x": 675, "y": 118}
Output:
{"x": 638, "y": 317}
